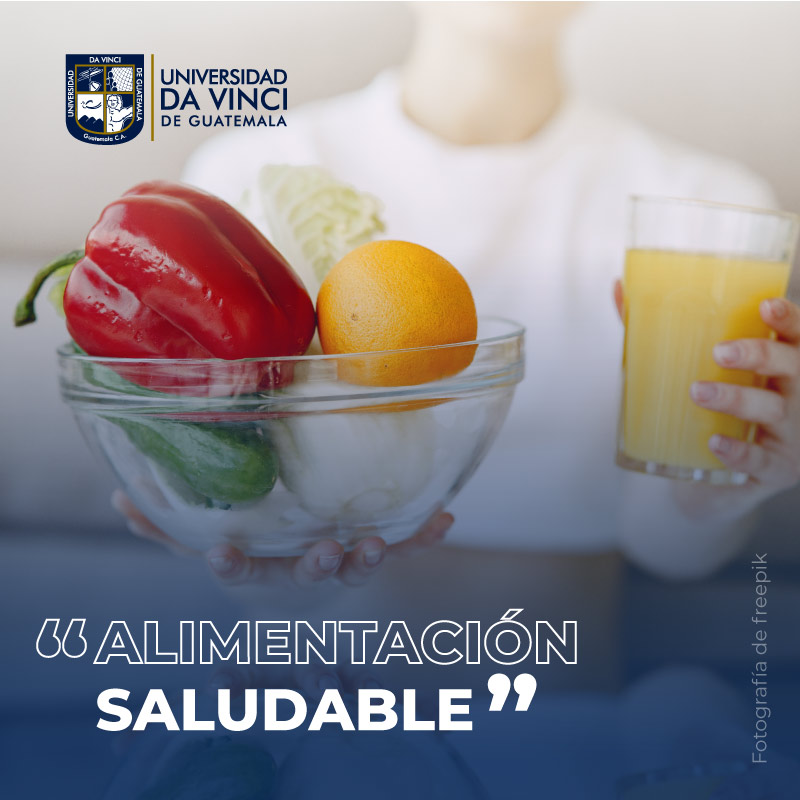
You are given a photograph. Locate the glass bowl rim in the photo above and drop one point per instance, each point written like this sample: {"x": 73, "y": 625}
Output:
{"x": 516, "y": 330}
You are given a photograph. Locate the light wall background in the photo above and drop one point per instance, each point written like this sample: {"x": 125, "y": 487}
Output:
{"x": 723, "y": 76}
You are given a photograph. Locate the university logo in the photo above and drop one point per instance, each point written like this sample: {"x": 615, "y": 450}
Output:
{"x": 105, "y": 97}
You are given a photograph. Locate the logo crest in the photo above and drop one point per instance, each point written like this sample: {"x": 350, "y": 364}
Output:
{"x": 105, "y": 97}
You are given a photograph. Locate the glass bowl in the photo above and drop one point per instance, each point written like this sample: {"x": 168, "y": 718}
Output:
{"x": 272, "y": 455}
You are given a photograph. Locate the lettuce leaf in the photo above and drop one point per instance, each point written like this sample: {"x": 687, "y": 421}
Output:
{"x": 312, "y": 218}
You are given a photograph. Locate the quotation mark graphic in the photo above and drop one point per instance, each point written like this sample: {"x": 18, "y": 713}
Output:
{"x": 72, "y": 644}
{"x": 499, "y": 686}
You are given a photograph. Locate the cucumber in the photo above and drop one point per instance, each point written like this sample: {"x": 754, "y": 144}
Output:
{"x": 226, "y": 465}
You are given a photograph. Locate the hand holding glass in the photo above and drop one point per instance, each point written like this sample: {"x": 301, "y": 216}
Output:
{"x": 695, "y": 275}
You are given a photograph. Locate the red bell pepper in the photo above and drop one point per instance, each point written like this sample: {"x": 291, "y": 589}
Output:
{"x": 173, "y": 272}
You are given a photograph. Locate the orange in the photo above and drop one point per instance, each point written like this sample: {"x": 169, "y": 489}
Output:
{"x": 392, "y": 295}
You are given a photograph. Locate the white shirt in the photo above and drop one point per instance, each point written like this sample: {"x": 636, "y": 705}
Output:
{"x": 538, "y": 228}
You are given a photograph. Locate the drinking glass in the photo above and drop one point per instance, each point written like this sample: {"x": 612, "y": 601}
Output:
{"x": 695, "y": 274}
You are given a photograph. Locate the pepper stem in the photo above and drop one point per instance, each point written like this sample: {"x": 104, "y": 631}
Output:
{"x": 24, "y": 312}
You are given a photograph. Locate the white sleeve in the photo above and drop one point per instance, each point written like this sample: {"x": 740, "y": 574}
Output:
{"x": 226, "y": 165}
{"x": 719, "y": 180}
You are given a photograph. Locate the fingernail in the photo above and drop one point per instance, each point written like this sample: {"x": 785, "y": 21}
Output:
{"x": 443, "y": 526}
{"x": 137, "y": 529}
{"x": 327, "y": 681}
{"x": 373, "y": 556}
{"x": 727, "y": 353}
{"x": 719, "y": 444}
{"x": 329, "y": 563}
{"x": 222, "y": 565}
{"x": 775, "y": 308}
{"x": 118, "y": 501}
{"x": 703, "y": 392}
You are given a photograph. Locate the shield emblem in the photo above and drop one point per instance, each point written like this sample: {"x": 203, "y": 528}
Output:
{"x": 105, "y": 97}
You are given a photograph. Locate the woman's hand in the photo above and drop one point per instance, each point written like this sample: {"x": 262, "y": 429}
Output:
{"x": 773, "y": 460}
{"x": 323, "y": 560}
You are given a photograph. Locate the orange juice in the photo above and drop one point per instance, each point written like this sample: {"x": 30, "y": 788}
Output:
{"x": 677, "y": 307}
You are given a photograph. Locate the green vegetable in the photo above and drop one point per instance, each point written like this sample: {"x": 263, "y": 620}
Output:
{"x": 215, "y": 769}
{"x": 56, "y": 293}
{"x": 226, "y": 465}
{"x": 312, "y": 218}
